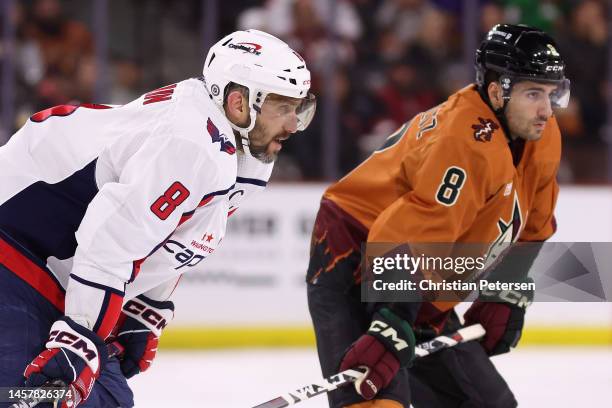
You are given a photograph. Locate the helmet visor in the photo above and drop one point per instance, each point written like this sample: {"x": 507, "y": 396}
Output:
{"x": 297, "y": 112}
{"x": 305, "y": 112}
{"x": 559, "y": 98}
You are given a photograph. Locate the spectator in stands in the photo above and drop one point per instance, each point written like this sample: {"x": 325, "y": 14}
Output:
{"x": 64, "y": 43}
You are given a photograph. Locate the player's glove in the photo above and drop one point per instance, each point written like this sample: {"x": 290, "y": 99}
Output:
{"x": 502, "y": 314}
{"x": 75, "y": 355}
{"x": 138, "y": 330}
{"x": 387, "y": 346}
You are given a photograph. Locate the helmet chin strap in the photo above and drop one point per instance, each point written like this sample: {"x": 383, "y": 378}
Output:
{"x": 243, "y": 132}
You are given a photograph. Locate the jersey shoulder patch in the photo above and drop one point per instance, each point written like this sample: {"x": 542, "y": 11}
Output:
{"x": 225, "y": 144}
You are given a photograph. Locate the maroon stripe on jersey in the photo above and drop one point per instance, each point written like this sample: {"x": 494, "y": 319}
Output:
{"x": 35, "y": 276}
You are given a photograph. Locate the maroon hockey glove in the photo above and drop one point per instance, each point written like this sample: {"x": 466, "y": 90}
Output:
{"x": 74, "y": 355}
{"x": 138, "y": 330}
{"x": 387, "y": 346}
{"x": 502, "y": 321}
{"x": 502, "y": 314}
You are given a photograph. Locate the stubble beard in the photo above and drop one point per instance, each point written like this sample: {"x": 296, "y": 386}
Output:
{"x": 260, "y": 152}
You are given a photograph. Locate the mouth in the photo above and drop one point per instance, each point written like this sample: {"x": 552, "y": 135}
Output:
{"x": 281, "y": 139}
{"x": 278, "y": 142}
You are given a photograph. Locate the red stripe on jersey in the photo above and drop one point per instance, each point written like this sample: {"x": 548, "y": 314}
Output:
{"x": 230, "y": 212}
{"x": 111, "y": 314}
{"x": 175, "y": 285}
{"x": 136, "y": 269}
{"x": 95, "y": 106}
{"x": 206, "y": 201}
{"x": 159, "y": 95}
{"x": 184, "y": 218}
{"x": 32, "y": 274}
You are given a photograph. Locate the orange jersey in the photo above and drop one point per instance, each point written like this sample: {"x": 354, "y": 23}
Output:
{"x": 448, "y": 176}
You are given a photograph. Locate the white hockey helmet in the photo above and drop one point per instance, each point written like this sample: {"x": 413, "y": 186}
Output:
{"x": 264, "y": 64}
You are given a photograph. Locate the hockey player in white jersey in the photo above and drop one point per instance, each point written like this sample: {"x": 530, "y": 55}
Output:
{"x": 98, "y": 202}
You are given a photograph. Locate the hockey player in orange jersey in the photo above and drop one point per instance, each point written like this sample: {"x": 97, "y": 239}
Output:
{"x": 479, "y": 168}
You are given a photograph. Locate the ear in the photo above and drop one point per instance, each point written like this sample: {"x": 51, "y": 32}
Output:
{"x": 495, "y": 93}
{"x": 236, "y": 108}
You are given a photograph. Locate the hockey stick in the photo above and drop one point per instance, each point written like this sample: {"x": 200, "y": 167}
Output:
{"x": 328, "y": 384}
{"x": 114, "y": 349}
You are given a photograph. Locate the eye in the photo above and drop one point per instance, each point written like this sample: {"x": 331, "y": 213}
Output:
{"x": 284, "y": 109}
{"x": 534, "y": 95}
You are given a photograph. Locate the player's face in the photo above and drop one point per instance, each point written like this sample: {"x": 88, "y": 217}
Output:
{"x": 276, "y": 122}
{"x": 528, "y": 109}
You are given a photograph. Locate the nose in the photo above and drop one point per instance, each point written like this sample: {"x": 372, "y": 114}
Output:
{"x": 545, "y": 109}
{"x": 291, "y": 123}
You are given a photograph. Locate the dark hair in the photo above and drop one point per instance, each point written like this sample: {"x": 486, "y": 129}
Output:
{"x": 490, "y": 76}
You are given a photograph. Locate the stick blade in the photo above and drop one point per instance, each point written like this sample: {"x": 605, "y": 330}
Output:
{"x": 279, "y": 402}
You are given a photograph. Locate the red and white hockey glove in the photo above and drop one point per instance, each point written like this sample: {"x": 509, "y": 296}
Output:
{"x": 387, "y": 346}
{"x": 75, "y": 355}
{"x": 138, "y": 330}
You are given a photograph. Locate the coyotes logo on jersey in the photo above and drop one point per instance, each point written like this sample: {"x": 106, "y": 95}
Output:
{"x": 483, "y": 131}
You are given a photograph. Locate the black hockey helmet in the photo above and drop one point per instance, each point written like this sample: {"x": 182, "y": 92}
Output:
{"x": 519, "y": 53}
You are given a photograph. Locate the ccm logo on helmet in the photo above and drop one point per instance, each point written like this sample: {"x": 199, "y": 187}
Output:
{"x": 148, "y": 315}
{"x": 74, "y": 341}
{"x": 383, "y": 328}
{"x": 247, "y": 47}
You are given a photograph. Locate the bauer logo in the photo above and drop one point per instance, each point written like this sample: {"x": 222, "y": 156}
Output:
{"x": 251, "y": 48}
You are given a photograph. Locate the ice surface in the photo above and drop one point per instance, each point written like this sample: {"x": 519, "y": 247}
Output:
{"x": 539, "y": 377}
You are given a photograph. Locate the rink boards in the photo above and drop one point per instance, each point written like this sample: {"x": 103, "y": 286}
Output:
{"x": 253, "y": 292}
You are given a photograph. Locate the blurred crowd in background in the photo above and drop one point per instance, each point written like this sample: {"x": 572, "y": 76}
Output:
{"x": 393, "y": 59}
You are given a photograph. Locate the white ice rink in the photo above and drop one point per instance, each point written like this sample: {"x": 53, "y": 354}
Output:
{"x": 539, "y": 377}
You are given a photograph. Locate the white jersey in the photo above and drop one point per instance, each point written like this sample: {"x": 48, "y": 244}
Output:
{"x": 120, "y": 201}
